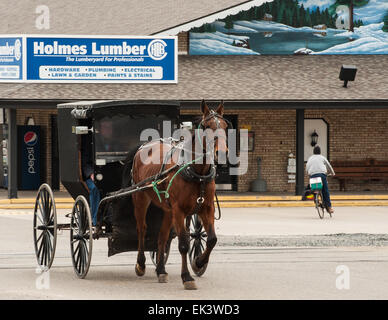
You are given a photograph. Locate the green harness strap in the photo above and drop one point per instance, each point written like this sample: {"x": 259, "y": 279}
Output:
{"x": 156, "y": 182}
{"x": 165, "y": 192}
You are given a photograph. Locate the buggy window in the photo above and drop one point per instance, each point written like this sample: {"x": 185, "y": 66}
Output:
{"x": 116, "y": 135}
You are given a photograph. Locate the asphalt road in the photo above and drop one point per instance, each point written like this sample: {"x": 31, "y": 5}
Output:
{"x": 243, "y": 265}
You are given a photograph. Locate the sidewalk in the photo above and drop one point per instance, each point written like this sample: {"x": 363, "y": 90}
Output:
{"x": 26, "y": 199}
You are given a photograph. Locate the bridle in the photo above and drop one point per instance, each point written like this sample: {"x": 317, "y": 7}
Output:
{"x": 216, "y": 116}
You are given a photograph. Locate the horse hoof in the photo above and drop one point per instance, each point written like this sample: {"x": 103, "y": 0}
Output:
{"x": 198, "y": 271}
{"x": 163, "y": 278}
{"x": 139, "y": 270}
{"x": 190, "y": 285}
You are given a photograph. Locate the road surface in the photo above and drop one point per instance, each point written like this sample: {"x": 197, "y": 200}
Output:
{"x": 256, "y": 262}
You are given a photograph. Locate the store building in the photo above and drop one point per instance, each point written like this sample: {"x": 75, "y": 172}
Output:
{"x": 281, "y": 98}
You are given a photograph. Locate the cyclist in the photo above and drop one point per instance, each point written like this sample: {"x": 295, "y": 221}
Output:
{"x": 317, "y": 166}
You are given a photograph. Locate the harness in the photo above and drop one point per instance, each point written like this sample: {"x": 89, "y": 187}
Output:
{"x": 186, "y": 170}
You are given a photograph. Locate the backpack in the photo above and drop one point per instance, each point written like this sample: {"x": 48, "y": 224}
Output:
{"x": 308, "y": 194}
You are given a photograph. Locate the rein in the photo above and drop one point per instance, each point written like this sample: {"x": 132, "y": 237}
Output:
{"x": 184, "y": 169}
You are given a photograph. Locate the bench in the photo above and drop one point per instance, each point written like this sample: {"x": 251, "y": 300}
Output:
{"x": 368, "y": 169}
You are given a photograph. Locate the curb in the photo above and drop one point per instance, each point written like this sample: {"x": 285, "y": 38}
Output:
{"x": 68, "y": 204}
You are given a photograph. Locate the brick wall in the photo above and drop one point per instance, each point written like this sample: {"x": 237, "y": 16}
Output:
{"x": 353, "y": 135}
{"x": 275, "y": 136}
{"x": 356, "y": 135}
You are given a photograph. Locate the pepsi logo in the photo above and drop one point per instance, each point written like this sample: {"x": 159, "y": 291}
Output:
{"x": 30, "y": 138}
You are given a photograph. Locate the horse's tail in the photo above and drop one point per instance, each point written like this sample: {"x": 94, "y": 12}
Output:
{"x": 127, "y": 171}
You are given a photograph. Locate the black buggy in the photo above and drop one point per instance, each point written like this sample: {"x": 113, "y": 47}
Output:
{"x": 76, "y": 121}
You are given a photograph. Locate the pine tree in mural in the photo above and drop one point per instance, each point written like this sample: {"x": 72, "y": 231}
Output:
{"x": 292, "y": 13}
{"x": 228, "y": 22}
{"x": 385, "y": 27}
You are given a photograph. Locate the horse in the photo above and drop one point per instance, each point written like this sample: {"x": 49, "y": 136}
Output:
{"x": 185, "y": 196}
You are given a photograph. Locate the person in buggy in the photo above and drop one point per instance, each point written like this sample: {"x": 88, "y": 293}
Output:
{"x": 88, "y": 175}
{"x": 318, "y": 166}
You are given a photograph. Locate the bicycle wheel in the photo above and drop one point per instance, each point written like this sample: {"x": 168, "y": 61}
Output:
{"x": 318, "y": 199}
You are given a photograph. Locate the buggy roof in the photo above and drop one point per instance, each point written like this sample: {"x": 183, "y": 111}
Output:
{"x": 101, "y": 108}
{"x": 112, "y": 103}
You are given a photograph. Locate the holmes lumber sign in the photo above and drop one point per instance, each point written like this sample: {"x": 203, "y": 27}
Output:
{"x": 96, "y": 59}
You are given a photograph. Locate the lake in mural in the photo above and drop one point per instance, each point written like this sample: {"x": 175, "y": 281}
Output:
{"x": 298, "y": 27}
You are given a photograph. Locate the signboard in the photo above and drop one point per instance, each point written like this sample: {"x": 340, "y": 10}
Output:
{"x": 99, "y": 59}
{"x": 297, "y": 27}
{"x": 11, "y": 58}
{"x": 29, "y": 157}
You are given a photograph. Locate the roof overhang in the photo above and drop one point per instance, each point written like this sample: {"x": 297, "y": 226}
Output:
{"x": 229, "y": 104}
{"x": 211, "y": 17}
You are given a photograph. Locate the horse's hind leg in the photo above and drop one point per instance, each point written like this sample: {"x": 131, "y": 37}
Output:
{"x": 164, "y": 234}
{"x": 207, "y": 217}
{"x": 140, "y": 203}
{"x": 184, "y": 244}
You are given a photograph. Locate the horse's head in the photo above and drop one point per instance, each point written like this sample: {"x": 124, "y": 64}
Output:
{"x": 215, "y": 121}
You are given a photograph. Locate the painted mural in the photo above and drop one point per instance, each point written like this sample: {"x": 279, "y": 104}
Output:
{"x": 298, "y": 27}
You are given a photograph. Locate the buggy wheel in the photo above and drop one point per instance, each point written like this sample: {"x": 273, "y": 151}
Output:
{"x": 166, "y": 253}
{"x": 318, "y": 199}
{"x": 45, "y": 227}
{"x": 81, "y": 237}
{"x": 198, "y": 239}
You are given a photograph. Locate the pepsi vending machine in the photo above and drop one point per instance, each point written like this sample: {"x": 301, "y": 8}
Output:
{"x": 29, "y": 177}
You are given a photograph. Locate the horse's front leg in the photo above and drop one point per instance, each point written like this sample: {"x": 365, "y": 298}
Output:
{"x": 207, "y": 217}
{"x": 163, "y": 237}
{"x": 184, "y": 245}
{"x": 141, "y": 203}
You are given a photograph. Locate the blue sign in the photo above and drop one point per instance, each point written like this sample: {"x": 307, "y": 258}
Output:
{"x": 11, "y": 58}
{"x": 29, "y": 157}
{"x": 101, "y": 59}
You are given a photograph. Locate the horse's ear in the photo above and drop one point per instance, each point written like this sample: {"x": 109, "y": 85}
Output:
{"x": 220, "y": 108}
{"x": 204, "y": 108}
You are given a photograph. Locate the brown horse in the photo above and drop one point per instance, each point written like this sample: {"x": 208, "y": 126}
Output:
{"x": 184, "y": 198}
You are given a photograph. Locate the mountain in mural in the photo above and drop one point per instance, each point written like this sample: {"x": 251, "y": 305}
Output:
{"x": 298, "y": 27}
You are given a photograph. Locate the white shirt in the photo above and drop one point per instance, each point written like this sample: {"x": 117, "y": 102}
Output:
{"x": 318, "y": 164}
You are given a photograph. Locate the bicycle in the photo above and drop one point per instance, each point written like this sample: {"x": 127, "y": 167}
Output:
{"x": 316, "y": 187}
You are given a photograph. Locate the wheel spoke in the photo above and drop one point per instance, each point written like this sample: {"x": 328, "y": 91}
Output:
{"x": 41, "y": 211}
{"x": 86, "y": 250}
{"x": 82, "y": 253}
{"x": 43, "y": 203}
{"x": 41, "y": 245}
{"x": 85, "y": 260}
{"x": 49, "y": 250}
{"x": 37, "y": 240}
{"x": 44, "y": 250}
{"x": 192, "y": 250}
{"x": 78, "y": 258}
{"x": 76, "y": 249}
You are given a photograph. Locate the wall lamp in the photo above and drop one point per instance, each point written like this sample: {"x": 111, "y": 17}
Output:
{"x": 347, "y": 73}
{"x": 314, "y": 138}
